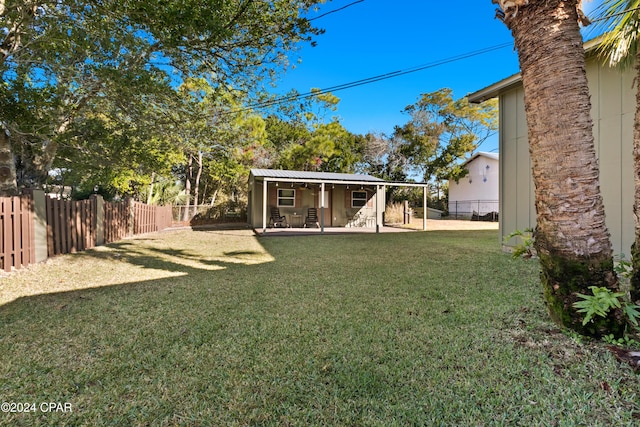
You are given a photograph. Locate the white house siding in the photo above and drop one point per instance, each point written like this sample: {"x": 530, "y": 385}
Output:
{"x": 613, "y": 106}
{"x": 478, "y": 191}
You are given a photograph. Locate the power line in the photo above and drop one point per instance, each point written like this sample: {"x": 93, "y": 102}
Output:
{"x": 372, "y": 79}
{"x": 389, "y": 75}
{"x": 336, "y": 10}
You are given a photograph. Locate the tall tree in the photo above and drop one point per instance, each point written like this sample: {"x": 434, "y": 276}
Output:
{"x": 571, "y": 237}
{"x": 214, "y": 133}
{"x": 441, "y": 131}
{"x": 621, "y": 21}
{"x": 302, "y": 138}
{"x": 55, "y": 57}
{"x": 115, "y": 145}
{"x": 347, "y": 148}
{"x": 329, "y": 147}
{"x": 382, "y": 157}
{"x": 238, "y": 147}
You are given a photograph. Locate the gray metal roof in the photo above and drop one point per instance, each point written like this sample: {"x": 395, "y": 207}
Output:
{"x": 495, "y": 89}
{"x": 316, "y": 176}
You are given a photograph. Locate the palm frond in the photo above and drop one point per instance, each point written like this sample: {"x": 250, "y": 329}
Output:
{"x": 619, "y": 22}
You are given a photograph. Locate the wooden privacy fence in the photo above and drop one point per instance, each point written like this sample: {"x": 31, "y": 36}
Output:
{"x": 71, "y": 225}
{"x": 95, "y": 222}
{"x": 34, "y": 227}
{"x": 116, "y": 221}
{"x": 17, "y": 241}
{"x": 148, "y": 218}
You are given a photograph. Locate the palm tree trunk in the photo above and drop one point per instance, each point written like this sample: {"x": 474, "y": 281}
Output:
{"x": 635, "y": 249}
{"x": 571, "y": 237}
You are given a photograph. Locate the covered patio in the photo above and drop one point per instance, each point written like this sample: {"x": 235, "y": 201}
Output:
{"x": 342, "y": 201}
{"x": 298, "y": 231}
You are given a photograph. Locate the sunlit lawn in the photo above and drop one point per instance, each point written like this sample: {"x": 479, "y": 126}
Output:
{"x": 217, "y": 328}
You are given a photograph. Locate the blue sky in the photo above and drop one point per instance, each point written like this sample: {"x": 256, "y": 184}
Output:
{"x": 376, "y": 37}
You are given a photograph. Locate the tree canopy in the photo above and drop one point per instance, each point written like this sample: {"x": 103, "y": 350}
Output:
{"x": 130, "y": 98}
{"x": 58, "y": 60}
{"x": 442, "y": 131}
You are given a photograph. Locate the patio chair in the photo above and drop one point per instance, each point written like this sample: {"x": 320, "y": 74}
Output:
{"x": 350, "y": 217}
{"x": 312, "y": 218}
{"x": 278, "y": 220}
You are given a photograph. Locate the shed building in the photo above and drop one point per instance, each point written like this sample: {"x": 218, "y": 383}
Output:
{"x": 340, "y": 199}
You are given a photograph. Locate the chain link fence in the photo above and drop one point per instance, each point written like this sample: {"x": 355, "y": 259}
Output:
{"x": 477, "y": 210}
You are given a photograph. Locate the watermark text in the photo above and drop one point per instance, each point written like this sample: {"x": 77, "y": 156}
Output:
{"x": 24, "y": 407}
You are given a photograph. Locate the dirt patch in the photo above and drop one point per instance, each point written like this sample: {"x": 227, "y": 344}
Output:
{"x": 453, "y": 224}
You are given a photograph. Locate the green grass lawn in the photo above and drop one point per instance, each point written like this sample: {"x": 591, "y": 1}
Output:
{"x": 223, "y": 328}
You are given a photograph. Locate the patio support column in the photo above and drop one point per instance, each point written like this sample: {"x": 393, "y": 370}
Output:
{"x": 425, "y": 210}
{"x": 322, "y": 207}
{"x": 264, "y": 206}
{"x": 378, "y": 201}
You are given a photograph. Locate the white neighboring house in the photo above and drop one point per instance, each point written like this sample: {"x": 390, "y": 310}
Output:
{"x": 478, "y": 191}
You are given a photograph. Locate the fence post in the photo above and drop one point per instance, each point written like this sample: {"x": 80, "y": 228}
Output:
{"x": 98, "y": 201}
{"x": 132, "y": 217}
{"x": 40, "y": 225}
{"x": 406, "y": 219}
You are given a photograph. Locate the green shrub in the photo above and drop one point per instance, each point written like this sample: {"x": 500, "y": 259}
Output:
{"x": 524, "y": 248}
{"x": 602, "y": 302}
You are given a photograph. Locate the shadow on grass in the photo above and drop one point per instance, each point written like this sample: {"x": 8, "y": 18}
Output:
{"x": 117, "y": 329}
{"x": 191, "y": 255}
{"x": 167, "y": 255}
{"x": 243, "y": 333}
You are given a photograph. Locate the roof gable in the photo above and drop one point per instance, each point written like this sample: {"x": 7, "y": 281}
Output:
{"x": 494, "y": 156}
